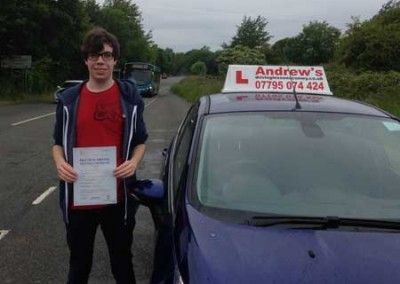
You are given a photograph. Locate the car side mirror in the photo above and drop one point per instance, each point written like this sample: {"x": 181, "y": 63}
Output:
{"x": 148, "y": 191}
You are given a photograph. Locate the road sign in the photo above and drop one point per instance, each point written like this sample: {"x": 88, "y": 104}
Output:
{"x": 17, "y": 62}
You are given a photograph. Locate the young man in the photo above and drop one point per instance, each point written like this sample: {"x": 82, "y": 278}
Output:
{"x": 100, "y": 112}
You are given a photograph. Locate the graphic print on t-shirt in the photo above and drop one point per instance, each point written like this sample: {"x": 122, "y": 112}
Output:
{"x": 107, "y": 113}
{"x": 104, "y": 111}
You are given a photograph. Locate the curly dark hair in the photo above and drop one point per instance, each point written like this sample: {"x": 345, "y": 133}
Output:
{"x": 95, "y": 39}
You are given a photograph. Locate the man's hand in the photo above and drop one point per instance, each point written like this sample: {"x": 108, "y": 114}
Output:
{"x": 66, "y": 172}
{"x": 126, "y": 169}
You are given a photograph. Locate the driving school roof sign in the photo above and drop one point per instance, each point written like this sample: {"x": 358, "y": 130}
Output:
{"x": 277, "y": 79}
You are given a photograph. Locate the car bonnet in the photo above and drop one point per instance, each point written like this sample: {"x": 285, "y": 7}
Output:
{"x": 219, "y": 252}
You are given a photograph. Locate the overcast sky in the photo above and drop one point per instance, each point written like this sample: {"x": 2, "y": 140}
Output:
{"x": 186, "y": 24}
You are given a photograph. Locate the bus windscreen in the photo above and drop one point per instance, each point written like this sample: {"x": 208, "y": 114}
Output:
{"x": 141, "y": 76}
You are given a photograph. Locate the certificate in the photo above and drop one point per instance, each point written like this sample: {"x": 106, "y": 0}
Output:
{"x": 96, "y": 183}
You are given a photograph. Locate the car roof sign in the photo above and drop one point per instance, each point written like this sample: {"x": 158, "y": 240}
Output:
{"x": 276, "y": 79}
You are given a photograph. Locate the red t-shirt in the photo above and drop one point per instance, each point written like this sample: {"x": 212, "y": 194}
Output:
{"x": 100, "y": 123}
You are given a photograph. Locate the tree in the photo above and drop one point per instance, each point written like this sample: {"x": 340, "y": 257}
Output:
{"x": 51, "y": 31}
{"x": 123, "y": 19}
{"x": 199, "y": 68}
{"x": 239, "y": 55}
{"x": 164, "y": 59}
{"x": 280, "y": 50}
{"x": 92, "y": 10}
{"x": 65, "y": 28}
{"x": 373, "y": 44}
{"x": 389, "y": 12}
{"x": 203, "y": 54}
{"x": 316, "y": 44}
{"x": 252, "y": 33}
{"x": 182, "y": 62}
{"x": 52, "y": 49}
{"x": 178, "y": 63}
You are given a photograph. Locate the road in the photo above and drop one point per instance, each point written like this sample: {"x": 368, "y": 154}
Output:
{"x": 32, "y": 237}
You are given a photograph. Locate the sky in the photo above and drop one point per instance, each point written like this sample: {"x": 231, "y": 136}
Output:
{"x": 187, "y": 24}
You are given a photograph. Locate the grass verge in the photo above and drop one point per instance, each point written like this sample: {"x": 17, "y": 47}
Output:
{"x": 378, "y": 89}
{"x": 193, "y": 87}
{"x": 22, "y": 98}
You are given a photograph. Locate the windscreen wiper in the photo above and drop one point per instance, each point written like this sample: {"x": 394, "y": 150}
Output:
{"x": 328, "y": 222}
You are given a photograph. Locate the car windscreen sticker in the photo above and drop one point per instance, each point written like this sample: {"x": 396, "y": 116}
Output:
{"x": 277, "y": 79}
{"x": 392, "y": 126}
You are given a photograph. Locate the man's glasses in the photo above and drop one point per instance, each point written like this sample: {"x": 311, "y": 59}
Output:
{"x": 106, "y": 55}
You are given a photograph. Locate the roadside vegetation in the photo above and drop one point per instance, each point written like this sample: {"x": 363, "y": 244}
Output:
{"x": 194, "y": 87}
{"x": 381, "y": 89}
{"x": 363, "y": 63}
{"x": 51, "y": 33}
{"x": 22, "y": 97}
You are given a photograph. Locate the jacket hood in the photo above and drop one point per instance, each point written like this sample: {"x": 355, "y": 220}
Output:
{"x": 219, "y": 252}
{"x": 69, "y": 95}
{"x": 128, "y": 87}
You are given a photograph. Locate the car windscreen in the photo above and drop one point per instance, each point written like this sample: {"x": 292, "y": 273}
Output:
{"x": 140, "y": 76}
{"x": 299, "y": 164}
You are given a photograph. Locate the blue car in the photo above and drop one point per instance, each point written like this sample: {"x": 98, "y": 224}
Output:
{"x": 263, "y": 187}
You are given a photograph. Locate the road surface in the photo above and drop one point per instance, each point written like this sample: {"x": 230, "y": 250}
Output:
{"x": 32, "y": 236}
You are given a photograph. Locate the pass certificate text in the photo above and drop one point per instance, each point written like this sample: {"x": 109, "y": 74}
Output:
{"x": 96, "y": 183}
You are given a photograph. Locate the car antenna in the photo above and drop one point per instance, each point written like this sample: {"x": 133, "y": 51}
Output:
{"x": 297, "y": 106}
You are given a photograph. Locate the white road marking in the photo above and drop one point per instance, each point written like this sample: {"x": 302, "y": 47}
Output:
{"x": 152, "y": 101}
{"x": 3, "y": 233}
{"x": 31, "y": 119}
{"x": 44, "y": 195}
{"x": 52, "y": 113}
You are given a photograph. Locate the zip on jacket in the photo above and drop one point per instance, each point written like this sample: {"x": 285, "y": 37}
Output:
{"x": 132, "y": 127}
{"x": 65, "y": 142}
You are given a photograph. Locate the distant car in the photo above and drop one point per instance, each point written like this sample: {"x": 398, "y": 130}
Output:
{"x": 164, "y": 76}
{"x": 282, "y": 188}
{"x": 66, "y": 84}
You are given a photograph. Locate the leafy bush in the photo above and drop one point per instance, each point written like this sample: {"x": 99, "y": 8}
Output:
{"x": 373, "y": 44}
{"x": 199, "y": 68}
{"x": 239, "y": 55}
{"x": 381, "y": 89}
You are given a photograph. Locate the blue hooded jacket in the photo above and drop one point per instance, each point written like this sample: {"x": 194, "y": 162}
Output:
{"x": 64, "y": 135}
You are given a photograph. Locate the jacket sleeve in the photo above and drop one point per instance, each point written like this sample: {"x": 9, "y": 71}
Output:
{"x": 141, "y": 131}
{"x": 58, "y": 126}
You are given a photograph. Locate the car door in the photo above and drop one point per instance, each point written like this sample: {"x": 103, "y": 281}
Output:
{"x": 163, "y": 213}
{"x": 179, "y": 159}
